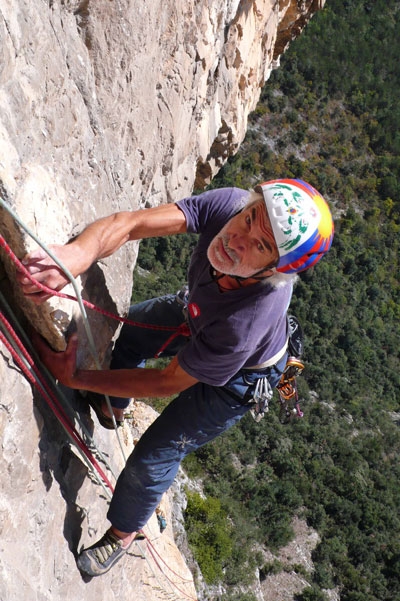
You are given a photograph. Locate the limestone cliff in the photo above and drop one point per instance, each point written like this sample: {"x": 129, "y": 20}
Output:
{"x": 105, "y": 105}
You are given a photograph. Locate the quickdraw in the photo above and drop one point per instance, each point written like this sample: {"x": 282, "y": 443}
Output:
{"x": 288, "y": 393}
{"x": 261, "y": 397}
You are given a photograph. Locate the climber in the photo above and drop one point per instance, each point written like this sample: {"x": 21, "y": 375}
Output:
{"x": 241, "y": 274}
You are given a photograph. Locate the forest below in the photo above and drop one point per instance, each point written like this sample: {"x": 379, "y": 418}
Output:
{"x": 330, "y": 114}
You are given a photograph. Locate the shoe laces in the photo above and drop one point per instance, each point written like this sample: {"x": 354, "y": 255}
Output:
{"x": 107, "y": 546}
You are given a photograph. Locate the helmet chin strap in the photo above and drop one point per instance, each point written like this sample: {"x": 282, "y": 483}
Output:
{"x": 256, "y": 276}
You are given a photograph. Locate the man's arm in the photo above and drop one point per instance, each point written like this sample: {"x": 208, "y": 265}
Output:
{"x": 97, "y": 241}
{"x": 142, "y": 383}
{"x": 139, "y": 383}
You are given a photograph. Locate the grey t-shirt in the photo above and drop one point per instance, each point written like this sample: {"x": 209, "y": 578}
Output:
{"x": 236, "y": 328}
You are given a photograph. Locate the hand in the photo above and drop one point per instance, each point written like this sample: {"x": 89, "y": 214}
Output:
{"x": 61, "y": 364}
{"x": 45, "y": 271}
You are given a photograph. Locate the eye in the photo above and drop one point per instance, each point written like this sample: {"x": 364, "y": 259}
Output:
{"x": 260, "y": 247}
{"x": 248, "y": 220}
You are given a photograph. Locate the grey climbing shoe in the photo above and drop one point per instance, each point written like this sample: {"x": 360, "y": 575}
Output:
{"x": 100, "y": 557}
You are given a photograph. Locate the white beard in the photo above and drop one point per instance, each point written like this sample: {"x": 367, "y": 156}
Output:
{"x": 222, "y": 264}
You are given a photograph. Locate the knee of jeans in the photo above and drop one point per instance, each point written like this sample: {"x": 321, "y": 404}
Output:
{"x": 150, "y": 454}
{"x": 119, "y": 402}
{"x": 153, "y": 473}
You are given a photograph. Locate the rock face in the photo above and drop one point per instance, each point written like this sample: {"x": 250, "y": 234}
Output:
{"x": 105, "y": 105}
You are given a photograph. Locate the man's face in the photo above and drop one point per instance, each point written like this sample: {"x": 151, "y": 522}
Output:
{"x": 245, "y": 244}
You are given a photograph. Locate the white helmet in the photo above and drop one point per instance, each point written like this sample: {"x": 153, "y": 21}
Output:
{"x": 301, "y": 222}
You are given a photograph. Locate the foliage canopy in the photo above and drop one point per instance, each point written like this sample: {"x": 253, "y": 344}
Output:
{"x": 330, "y": 115}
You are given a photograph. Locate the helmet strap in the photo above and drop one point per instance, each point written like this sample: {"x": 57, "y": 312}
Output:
{"x": 256, "y": 276}
{"x": 238, "y": 279}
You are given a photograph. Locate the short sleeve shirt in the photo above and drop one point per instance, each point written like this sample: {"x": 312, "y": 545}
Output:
{"x": 231, "y": 329}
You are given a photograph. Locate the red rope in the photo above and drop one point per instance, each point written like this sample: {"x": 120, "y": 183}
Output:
{"x": 181, "y": 330}
{"x": 38, "y": 381}
{"x": 35, "y": 377}
{"x": 155, "y": 555}
{"x": 154, "y": 550}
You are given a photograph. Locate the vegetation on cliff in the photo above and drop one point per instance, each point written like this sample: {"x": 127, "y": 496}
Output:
{"x": 330, "y": 115}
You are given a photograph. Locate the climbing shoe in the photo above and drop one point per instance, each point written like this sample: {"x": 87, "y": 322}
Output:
{"x": 100, "y": 557}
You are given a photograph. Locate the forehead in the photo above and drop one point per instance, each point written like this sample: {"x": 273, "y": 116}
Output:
{"x": 259, "y": 214}
{"x": 261, "y": 222}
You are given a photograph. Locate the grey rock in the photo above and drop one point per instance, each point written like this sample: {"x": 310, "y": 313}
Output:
{"x": 105, "y": 105}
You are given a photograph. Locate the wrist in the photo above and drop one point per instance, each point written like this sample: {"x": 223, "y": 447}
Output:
{"x": 79, "y": 258}
{"x": 74, "y": 381}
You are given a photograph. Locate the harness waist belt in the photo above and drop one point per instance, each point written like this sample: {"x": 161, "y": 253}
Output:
{"x": 270, "y": 362}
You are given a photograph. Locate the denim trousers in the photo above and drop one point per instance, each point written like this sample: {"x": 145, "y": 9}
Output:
{"x": 196, "y": 416}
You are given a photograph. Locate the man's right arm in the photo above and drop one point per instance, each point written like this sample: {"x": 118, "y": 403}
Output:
{"x": 97, "y": 241}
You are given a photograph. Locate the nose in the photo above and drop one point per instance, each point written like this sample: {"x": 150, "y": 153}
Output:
{"x": 238, "y": 242}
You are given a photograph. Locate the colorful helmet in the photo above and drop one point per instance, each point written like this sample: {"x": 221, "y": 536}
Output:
{"x": 301, "y": 222}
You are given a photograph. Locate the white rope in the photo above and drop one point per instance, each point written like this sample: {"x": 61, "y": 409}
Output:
{"x": 86, "y": 323}
{"x": 59, "y": 394}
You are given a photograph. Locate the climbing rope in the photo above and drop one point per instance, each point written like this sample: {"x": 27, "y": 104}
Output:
{"x": 28, "y": 366}
{"x": 154, "y": 554}
{"x": 18, "y": 338}
{"x": 158, "y": 560}
{"x": 78, "y": 298}
{"x": 181, "y": 330}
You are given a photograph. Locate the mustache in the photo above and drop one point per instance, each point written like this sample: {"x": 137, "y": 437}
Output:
{"x": 231, "y": 253}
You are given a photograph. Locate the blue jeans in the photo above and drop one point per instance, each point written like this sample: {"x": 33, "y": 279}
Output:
{"x": 196, "y": 416}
